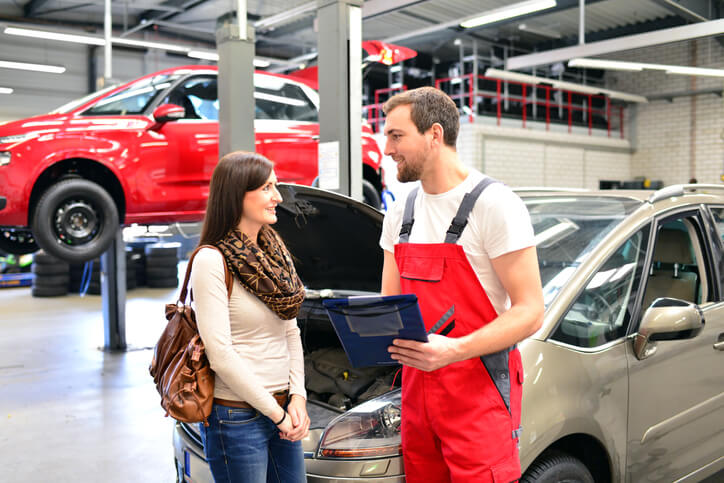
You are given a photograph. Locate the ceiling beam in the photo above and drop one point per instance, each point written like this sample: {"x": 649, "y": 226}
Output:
{"x": 658, "y": 37}
{"x": 692, "y": 10}
{"x": 374, "y": 8}
{"x": 32, "y": 7}
{"x": 455, "y": 24}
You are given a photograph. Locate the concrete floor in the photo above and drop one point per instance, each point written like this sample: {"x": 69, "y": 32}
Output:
{"x": 70, "y": 412}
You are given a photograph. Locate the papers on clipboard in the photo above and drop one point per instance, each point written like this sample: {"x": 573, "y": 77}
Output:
{"x": 367, "y": 325}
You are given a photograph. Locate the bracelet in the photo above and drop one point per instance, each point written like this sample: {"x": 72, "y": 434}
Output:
{"x": 281, "y": 420}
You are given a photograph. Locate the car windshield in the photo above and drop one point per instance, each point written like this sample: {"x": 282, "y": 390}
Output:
{"x": 134, "y": 99}
{"x": 69, "y": 106}
{"x": 567, "y": 229}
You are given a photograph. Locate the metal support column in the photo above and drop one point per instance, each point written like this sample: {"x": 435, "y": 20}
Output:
{"x": 113, "y": 294}
{"x": 236, "y": 87}
{"x": 340, "y": 88}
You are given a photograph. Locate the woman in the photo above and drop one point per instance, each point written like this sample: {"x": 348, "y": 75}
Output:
{"x": 251, "y": 337}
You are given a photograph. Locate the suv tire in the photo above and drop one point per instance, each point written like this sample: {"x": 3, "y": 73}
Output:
{"x": 556, "y": 467}
{"x": 75, "y": 220}
{"x": 370, "y": 195}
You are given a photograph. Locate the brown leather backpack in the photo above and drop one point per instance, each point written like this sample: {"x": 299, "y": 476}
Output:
{"x": 179, "y": 367}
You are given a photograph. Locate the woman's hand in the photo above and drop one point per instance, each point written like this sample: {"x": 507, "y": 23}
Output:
{"x": 299, "y": 420}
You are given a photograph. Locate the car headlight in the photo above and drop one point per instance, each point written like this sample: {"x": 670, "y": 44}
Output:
{"x": 16, "y": 138}
{"x": 370, "y": 430}
{"x": 5, "y": 157}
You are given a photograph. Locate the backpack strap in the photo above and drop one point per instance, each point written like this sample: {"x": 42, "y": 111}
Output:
{"x": 466, "y": 206}
{"x": 227, "y": 274}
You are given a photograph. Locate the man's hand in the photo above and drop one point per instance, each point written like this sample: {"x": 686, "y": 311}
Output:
{"x": 297, "y": 412}
{"x": 438, "y": 352}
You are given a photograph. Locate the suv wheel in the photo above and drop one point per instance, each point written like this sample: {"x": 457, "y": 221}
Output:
{"x": 75, "y": 220}
{"x": 370, "y": 195}
{"x": 17, "y": 242}
{"x": 557, "y": 467}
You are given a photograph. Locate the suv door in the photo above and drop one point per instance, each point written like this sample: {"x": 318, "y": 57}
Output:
{"x": 676, "y": 408}
{"x": 189, "y": 149}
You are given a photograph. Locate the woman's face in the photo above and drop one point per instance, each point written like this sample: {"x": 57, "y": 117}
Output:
{"x": 260, "y": 205}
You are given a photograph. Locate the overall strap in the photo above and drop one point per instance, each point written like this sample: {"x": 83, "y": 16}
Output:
{"x": 408, "y": 218}
{"x": 461, "y": 217}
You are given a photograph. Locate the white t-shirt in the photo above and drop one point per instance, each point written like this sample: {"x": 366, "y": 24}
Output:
{"x": 498, "y": 224}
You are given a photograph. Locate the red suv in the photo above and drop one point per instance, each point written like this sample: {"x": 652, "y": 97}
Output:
{"x": 143, "y": 153}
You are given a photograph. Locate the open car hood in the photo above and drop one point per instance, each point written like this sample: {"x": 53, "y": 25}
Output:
{"x": 334, "y": 239}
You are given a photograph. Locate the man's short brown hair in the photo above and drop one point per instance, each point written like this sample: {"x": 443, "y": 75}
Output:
{"x": 427, "y": 107}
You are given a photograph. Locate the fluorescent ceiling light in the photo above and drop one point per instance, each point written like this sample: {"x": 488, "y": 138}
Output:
{"x": 699, "y": 71}
{"x": 542, "y": 31}
{"x": 43, "y": 34}
{"x": 6, "y": 90}
{"x": 209, "y": 55}
{"x": 569, "y": 86}
{"x": 202, "y": 54}
{"x": 52, "y": 69}
{"x": 639, "y": 66}
{"x": 147, "y": 44}
{"x": 606, "y": 64}
{"x": 515, "y": 10}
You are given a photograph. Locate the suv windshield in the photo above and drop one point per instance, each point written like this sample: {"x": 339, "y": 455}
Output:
{"x": 566, "y": 231}
{"x": 134, "y": 98}
{"x": 69, "y": 106}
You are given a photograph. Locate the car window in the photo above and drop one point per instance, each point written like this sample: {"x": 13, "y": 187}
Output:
{"x": 134, "y": 99}
{"x": 198, "y": 96}
{"x": 718, "y": 213}
{"x": 677, "y": 269}
{"x": 285, "y": 101}
{"x": 602, "y": 311}
{"x": 568, "y": 229}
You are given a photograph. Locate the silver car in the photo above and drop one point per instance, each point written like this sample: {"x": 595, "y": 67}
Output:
{"x": 623, "y": 382}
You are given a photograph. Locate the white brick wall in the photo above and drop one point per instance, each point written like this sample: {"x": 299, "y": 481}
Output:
{"x": 524, "y": 157}
{"x": 663, "y": 143}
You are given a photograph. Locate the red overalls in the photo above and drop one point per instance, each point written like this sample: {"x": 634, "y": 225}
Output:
{"x": 460, "y": 423}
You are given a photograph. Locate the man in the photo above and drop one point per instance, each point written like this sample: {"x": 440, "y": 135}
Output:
{"x": 478, "y": 283}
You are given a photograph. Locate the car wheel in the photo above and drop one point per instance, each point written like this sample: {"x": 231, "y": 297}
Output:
{"x": 557, "y": 467}
{"x": 75, "y": 220}
{"x": 18, "y": 242}
{"x": 370, "y": 195}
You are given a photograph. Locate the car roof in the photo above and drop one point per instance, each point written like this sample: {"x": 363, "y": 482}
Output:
{"x": 650, "y": 196}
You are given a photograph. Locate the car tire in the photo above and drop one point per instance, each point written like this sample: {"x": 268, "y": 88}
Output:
{"x": 54, "y": 291}
{"x": 58, "y": 280}
{"x": 167, "y": 282}
{"x": 370, "y": 195}
{"x": 153, "y": 261}
{"x": 69, "y": 201}
{"x": 153, "y": 273}
{"x": 50, "y": 269}
{"x": 555, "y": 467}
{"x": 18, "y": 243}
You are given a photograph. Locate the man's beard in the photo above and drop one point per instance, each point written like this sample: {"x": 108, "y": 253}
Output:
{"x": 410, "y": 169}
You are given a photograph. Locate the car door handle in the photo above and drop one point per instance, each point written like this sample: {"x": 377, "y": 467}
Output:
{"x": 719, "y": 346}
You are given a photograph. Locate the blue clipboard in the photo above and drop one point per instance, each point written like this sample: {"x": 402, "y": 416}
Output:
{"x": 367, "y": 325}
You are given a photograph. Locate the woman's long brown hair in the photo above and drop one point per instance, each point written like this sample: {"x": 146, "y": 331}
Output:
{"x": 236, "y": 173}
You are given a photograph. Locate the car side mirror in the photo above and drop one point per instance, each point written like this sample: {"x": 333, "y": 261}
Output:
{"x": 667, "y": 319}
{"x": 168, "y": 112}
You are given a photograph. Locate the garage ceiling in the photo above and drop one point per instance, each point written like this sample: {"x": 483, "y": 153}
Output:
{"x": 285, "y": 28}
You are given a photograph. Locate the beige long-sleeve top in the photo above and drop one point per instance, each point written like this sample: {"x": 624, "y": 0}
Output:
{"x": 252, "y": 351}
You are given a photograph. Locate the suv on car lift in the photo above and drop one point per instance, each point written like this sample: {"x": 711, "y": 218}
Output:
{"x": 143, "y": 153}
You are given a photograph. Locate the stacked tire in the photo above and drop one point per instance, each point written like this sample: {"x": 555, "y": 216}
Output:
{"x": 52, "y": 276}
{"x": 94, "y": 285}
{"x": 162, "y": 265}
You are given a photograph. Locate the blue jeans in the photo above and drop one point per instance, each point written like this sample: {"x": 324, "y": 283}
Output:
{"x": 243, "y": 446}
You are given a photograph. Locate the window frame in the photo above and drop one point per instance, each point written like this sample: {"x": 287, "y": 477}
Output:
{"x": 696, "y": 215}
{"x": 633, "y": 301}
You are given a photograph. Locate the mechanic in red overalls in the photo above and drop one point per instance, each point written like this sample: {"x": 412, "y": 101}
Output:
{"x": 464, "y": 244}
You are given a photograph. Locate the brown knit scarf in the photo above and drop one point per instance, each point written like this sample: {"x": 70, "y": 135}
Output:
{"x": 265, "y": 269}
